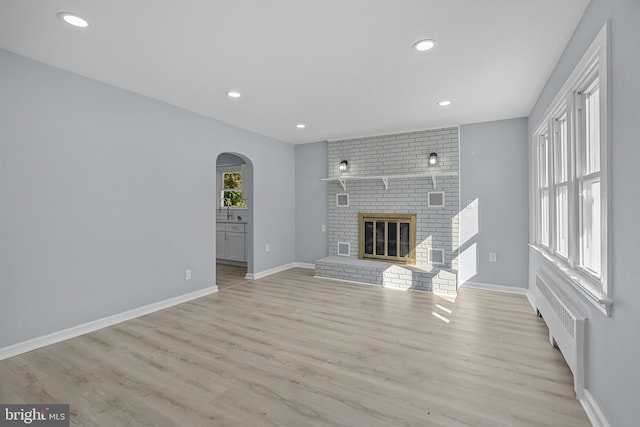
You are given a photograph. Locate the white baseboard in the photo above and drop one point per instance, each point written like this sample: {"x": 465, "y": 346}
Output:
{"x": 494, "y": 288}
{"x": 65, "y": 334}
{"x": 269, "y": 272}
{"x": 501, "y": 288}
{"x": 594, "y": 413}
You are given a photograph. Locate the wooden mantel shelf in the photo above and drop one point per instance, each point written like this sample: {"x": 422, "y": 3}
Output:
{"x": 385, "y": 178}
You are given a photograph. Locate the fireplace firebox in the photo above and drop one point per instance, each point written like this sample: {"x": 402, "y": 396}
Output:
{"x": 387, "y": 237}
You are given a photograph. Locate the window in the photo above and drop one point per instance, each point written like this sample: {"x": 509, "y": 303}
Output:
{"x": 588, "y": 148}
{"x": 231, "y": 188}
{"x": 571, "y": 148}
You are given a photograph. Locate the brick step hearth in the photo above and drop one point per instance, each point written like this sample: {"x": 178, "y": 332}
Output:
{"x": 389, "y": 275}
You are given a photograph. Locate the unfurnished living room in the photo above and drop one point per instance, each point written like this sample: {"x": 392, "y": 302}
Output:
{"x": 319, "y": 213}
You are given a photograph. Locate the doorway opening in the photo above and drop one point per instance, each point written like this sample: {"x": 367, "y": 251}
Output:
{"x": 233, "y": 219}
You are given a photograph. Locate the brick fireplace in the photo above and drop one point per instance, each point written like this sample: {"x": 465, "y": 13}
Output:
{"x": 389, "y": 179}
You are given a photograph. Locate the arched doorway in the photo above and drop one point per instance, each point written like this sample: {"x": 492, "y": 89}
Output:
{"x": 234, "y": 219}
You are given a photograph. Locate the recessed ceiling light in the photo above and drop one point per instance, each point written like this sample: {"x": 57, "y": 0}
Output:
{"x": 73, "y": 19}
{"x": 233, "y": 94}
{"x": 444, "y": 103}
{"x": 423, "y": 45}
{"x": 301, "y": 126}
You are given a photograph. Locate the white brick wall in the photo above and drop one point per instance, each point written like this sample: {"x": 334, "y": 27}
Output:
{"x": 405, "y": 153}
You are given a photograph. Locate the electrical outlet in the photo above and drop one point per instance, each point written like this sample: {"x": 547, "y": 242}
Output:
{"x": 323, "y": 228}
{"x": 187, "y": 274}
{"x": 492, "y": 257}
{"x": 267, "y": 248}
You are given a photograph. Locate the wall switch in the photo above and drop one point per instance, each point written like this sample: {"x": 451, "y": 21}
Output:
{"x": 492, "y": 257}
{"x": 187, "y": 274}
{"x": 267, "y": 248}
{"x": 323, "y": 228}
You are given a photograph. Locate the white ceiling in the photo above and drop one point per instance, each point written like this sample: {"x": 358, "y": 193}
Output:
{"x": 346, "y": 68}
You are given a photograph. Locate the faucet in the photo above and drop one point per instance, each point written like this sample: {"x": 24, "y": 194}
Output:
{"x": 228, "y": 215}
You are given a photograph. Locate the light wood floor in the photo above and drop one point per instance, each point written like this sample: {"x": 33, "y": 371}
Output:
{"x": 291, "y": 350}
{"x": 230, "y": 275}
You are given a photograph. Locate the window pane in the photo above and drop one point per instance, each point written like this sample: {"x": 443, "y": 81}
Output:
{"x": 562, "y": 154}
{"x": 543, "y": 168}
{"x": 404, "y": 240}
{"x": 544, "y": 217}
{"x": 234, "y": 198}
{"x": 562, "y": 220}
{"x": 368, "y": 237}
{"x": 233, "y": 180}
{"x": 379, "y": 238}
{"x": 590, "y": 244}
{"x": 592, "y": 130}
{"x": 543, "y": 186}
{"x": 392, "y": 242}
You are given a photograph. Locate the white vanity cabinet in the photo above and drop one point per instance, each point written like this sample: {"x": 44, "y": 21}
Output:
{"x": 230, "y": 241}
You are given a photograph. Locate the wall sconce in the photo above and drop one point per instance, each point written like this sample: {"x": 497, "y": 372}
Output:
{"x": 344, "y": 165}
{"x": 433, "y": 158}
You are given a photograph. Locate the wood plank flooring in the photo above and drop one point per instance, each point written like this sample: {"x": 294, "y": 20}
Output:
{"x": 291, "y": 350}
{"x": 230, "y": 275}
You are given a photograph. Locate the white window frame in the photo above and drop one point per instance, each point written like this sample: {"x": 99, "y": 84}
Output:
{"x": 221, "y": 170}
{"x": 569, "y": 105}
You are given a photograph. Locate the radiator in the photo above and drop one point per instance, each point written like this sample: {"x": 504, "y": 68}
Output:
{"x": 567, "y": 327}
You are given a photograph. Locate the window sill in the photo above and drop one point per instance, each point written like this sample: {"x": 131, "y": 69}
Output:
{"x": 584, "y": 284}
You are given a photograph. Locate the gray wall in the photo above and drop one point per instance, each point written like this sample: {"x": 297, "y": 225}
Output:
{"x": 311, "y": 202}
{"x": 613, "y": 376}
{"x": 494, "y": 203}
{"x": 107, "y": 197}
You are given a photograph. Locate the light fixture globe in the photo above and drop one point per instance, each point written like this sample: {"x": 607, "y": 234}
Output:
{"x": 433, "y": 158}
{"x": 424, "y": 45}
{"x": 73, "y": 19}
